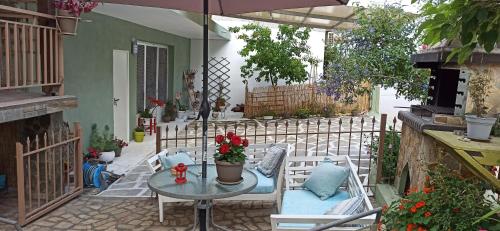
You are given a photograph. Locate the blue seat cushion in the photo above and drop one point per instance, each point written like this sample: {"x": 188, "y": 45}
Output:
{"x": 264, "y": 184}
{"x": 170, "y": 161}
{"x": 305, "y": 202}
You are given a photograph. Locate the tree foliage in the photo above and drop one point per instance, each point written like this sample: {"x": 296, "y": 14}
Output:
{"x": 472, "y": 22}
{"x": 271, "y": 58}
{"x": 378, "y": 52}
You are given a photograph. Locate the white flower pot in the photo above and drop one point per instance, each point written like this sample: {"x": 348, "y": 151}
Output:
{"x": 479, "y": 128}
{"x": 107, "y": 156}
{"x": 268, "y": 117}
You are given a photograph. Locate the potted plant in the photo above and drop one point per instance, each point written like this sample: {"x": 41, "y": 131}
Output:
{"x": 478, "y": 125}
{"x": 220, "y": 103}
{"x": 103, "y": 143}
{"x": 139, "y": 134}
{"x": 269, "y": 115}
{"x": 230, "y": 157}
{"x": 170, "y": 112}
{"x": 68, "y": 12}
{"x": 215, "y": 112}
{"x": 181, "y": 114}
{"x": 120, "y": 144}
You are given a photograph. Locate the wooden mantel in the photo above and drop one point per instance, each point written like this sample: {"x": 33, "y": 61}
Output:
{"x": 474, "y": 155}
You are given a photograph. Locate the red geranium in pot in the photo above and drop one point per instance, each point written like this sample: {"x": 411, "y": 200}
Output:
{"x": 230, "y": 157}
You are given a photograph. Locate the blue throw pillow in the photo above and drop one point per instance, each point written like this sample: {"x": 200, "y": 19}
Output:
{"x": 325, "y": 179}
{"x": 168, "y": 161}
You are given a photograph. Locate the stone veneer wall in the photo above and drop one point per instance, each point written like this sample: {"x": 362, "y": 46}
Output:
{"x": 17, "y": 131}
{"x": 419, "y": 151}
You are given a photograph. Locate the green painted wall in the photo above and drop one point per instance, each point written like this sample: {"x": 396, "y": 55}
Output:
{"x": 88, "y": 59}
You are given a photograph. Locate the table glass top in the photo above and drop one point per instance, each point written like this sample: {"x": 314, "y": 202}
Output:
{"x": 196, "y": 188}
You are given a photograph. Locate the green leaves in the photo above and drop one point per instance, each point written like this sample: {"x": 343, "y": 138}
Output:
{"x": 377, "y": 52}
{"x": 271, "y": 59}
{"x": 470, "y": 22}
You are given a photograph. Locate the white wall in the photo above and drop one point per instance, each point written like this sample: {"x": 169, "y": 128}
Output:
{"x": 229, "y": 49}
{"x": 391, "y": 105}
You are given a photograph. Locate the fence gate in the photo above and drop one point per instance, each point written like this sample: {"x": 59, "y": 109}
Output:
{"x": 49, "y": 171}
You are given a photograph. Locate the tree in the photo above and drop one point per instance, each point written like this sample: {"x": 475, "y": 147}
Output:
{"x": 273, "y": 59}
{"x": 472, "y": 22}
{"x": 378, "y": 52}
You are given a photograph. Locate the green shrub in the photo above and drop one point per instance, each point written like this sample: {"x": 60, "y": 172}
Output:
{"x": 329, "y": 110}
{"x": 303, "y": 113}
{"x": 102, "y": 142}
{"x": 391, "y": 153}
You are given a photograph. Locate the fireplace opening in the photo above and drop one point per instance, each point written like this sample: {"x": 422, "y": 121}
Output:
{"x": 405, "y": 181}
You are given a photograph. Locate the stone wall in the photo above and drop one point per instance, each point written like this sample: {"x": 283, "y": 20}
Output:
{"x": 418, "y": 151}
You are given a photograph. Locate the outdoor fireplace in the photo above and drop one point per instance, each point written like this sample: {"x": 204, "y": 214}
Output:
{"x": 447, "y": 102}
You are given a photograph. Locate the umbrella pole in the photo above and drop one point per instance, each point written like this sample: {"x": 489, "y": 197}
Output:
{"x": 205, "y": 110}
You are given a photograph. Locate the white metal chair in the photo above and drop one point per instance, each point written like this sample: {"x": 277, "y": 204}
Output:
{"x": 296, "y": 171}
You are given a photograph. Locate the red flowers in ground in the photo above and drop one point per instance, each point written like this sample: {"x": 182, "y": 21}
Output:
{"x": 413, "y": 209}
{"x": 420, "y": 204}
{"x": 427, "y": 190}
{"x": 427, "y": 214}
{"x": 410, "y": 227}
{"x": 224, "y": 149}
{"x": 219, "y": 139}
{"x": 401, "y": 207}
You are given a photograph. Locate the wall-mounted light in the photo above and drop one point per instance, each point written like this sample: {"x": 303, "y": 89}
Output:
{"x": 135, "y": 47}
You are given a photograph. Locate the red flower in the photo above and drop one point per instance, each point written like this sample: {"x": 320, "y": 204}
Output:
{"x": 401, "y": 207}
{"x": 427, "y": 178}
{"x": 236, "y": 140}
{"x": 456, "y": 210}
{"x": 409, "y": 227}
{"x": 230, "y": 135}
{"x": 245, "y": 143}
{"x": 427, "y": 214}
{"x": 413, "y": 209}
{"x": 219, "y": 139}
{"x": 420, "y": 204}
{"x": 224, "y": 148}
{"x": 427, "y": 190}
{"x": 420, "y": 228}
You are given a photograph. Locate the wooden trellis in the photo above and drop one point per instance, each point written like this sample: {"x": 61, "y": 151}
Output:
{"x": 218, "y": 78}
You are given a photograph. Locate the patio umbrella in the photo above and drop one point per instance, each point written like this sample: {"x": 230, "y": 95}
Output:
{"x": 225, "y": 8}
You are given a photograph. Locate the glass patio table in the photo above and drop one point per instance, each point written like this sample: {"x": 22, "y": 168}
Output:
{"x": 202, "y": 191}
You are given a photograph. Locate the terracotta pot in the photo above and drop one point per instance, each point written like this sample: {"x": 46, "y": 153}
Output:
{"x": 228, "y": 172}
{"x": 67, "y": 22}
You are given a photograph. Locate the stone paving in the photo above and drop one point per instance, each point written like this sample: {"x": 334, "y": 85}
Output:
{"x": 97, "y": 213}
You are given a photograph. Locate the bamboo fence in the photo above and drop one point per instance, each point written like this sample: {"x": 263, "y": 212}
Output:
{"x": 286, "y": 100}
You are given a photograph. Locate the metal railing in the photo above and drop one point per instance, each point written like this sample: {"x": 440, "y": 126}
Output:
{"x": 352, "y": 136}
{"x": 31, "y": 54}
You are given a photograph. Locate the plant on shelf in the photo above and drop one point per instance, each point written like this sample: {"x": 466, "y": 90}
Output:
{"x": 446, "y": 202}
{"x": 68, "y": 12}
{"x": 391, "y": 153}
{"x": 104, "y": 143}
{"x": 478, "y": 125}
{"x": 272, "y": 58}
{"x": 170, "y": 112}
{"x": 230, "y": 157}
{"x": 139, "y": 134}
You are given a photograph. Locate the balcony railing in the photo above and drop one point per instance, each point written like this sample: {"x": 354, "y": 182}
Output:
{"x": 31, "y": 53}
